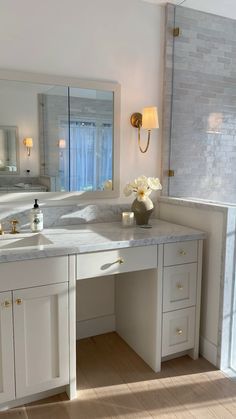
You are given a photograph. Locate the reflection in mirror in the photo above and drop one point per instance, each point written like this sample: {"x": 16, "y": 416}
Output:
{"x": 77, "y": 138}
{"x": 74, "y": 131}
{"x": 9, "y": 150}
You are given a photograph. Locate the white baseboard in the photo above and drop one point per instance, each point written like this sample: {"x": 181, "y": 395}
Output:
{"x": 97, "y": 326}
{"x": 208, "y": 350}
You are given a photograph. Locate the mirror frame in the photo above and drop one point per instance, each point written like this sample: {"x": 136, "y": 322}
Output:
{"x": 55, "y": 80}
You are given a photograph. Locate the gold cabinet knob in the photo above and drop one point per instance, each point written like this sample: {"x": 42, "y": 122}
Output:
{"x": 182, "y": 252}
{"x": 179, "y": 332}
{"x": 6, "y": 304}
{"x": 120, "y": 261}
{"x": 180, "y": 286}
{"x": 19, "y": 301}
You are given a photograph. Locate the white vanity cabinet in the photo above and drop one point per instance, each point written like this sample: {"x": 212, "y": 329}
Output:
{"x": 34, "y": 327}
{"x": 182, "y": 273}
{"x": 155, "y": 302}
{"x": 7, "y": 380}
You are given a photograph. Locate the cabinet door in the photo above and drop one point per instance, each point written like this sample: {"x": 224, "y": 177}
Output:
{"x": 7, "y": 379}
{"x": 41, "y": 338}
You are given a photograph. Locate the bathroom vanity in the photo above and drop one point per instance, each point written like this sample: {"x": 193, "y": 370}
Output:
{"x": 158, "y": 288}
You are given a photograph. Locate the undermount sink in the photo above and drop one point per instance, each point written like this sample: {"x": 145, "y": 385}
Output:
{"x": 35, "y": 240}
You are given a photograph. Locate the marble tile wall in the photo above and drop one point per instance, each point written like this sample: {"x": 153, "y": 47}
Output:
{"x": 66, "y": 215}
{"x": 200, "y": 106}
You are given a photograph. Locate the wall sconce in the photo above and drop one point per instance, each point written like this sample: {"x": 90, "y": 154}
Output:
{"x": 28, "y": 142}
{"x": 147, "y": 120}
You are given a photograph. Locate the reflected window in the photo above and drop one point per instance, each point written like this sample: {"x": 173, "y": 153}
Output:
{"x": 86, "y": 163}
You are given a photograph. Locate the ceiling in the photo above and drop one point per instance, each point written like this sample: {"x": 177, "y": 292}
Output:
{"x": 225, "y": 8}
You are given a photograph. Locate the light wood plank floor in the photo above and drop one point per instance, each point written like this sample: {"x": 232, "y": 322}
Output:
{"x": 113, "y": 382}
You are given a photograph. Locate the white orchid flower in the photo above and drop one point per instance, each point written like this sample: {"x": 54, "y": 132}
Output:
{"x": 142, "y": 193}
{"x": 154, "y": 183}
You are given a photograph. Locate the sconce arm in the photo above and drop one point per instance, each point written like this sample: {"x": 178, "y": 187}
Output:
{"x": 143, "y": 150}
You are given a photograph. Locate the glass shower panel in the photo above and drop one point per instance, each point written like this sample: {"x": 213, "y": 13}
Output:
{"x": 203, "y": 123}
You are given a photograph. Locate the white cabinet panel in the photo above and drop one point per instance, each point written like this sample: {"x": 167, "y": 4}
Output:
{"x": 178, "y": 331}
{"x": 111, "y": 262}
{"x": 179, "y": 286}
{"x": 7, "y": 379}
{"x": 180, "y": 252}
{"x": 41, "y": 338}
{"x": 33, "y": 273}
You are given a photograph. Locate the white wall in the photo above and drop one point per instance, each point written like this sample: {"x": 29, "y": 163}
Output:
{"x": 106, "y": 39}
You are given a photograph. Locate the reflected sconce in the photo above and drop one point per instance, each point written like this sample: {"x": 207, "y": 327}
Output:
{"x": 147, "y": 120}
{"x": 62, "y": 143}
{"x": 28, "y": 142}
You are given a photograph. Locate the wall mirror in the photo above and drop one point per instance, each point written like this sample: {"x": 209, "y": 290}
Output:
{"x": 59, "y": 134}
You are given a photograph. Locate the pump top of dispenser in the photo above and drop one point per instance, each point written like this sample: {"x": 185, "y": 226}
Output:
{"x": 36, "y": 205}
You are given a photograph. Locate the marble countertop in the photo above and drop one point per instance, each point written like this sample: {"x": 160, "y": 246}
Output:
{"x": 85, "y": 238}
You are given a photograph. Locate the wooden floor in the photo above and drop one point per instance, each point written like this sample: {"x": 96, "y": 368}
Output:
{"x": 113, "y": 382}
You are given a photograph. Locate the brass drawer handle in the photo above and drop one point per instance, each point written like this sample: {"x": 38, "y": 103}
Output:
{"x": 182, "y": 252}
{"x": 180, "y": 287}
{"x": 6, "y": 304}
{"x": 179, "y": 332}
{"x": 19, "y": 301}
{"x": 120, "y": 261}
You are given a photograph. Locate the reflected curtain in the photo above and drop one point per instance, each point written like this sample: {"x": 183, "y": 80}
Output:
{"x": 90, "y": 155}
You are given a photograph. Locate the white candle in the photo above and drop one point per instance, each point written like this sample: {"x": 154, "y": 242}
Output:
{"x": 127, "y": 219}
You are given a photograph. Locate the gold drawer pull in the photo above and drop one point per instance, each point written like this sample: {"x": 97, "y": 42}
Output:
{"x": 179, "y": 332}
{"x": 182, "y": 252}
{"x": 19, "y": 301}
{"x": 180, "y": 287}
{"x": 6, "y": 304}
{"x": 120, "y": 261}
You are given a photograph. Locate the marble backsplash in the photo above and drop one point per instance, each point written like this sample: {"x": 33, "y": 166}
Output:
{"x": 66, "y": 215}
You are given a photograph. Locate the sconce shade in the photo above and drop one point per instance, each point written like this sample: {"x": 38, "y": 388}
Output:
{"x": 150, "y": 118}
{"x": 62, "y": 143}
{"x": 28, "y": 142}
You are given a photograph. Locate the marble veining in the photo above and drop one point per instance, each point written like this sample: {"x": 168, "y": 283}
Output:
{"x": 73, "y": 239}
{"x": 63, "y": 215}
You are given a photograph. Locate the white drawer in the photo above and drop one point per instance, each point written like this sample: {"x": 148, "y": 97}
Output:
{"x": 178, "y": 331}
{"x": 116, "y": 261}
{"x": 180, "y": 252}
{"x": 33, "y": 273}
{"x": 179, "y": 286}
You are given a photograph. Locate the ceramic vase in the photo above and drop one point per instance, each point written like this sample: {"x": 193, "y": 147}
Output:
{"x": 142, "y": 211}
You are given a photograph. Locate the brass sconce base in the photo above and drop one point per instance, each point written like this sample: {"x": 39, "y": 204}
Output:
{"x": 136, "y": 120}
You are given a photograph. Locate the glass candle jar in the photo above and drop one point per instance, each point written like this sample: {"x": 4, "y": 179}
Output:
{"x": 128, "y": 219}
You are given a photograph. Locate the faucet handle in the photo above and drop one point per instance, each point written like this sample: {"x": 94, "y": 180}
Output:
{"x": 13, "y": 226}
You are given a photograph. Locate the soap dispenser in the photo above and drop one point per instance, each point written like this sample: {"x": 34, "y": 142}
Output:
{"x": 36, "y": 218}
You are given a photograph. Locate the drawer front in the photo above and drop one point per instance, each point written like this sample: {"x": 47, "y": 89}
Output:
{"x": 33, "y": 273}
{"x": 111, "y": 262}
{"x": 178, "y": 331}
{"x": 179, "y": 286}
{"x": 181, "y": 252}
